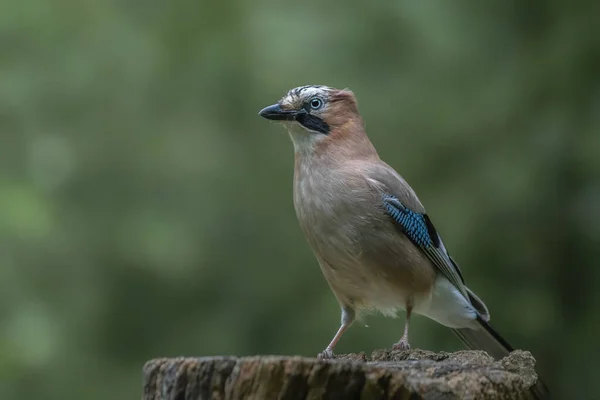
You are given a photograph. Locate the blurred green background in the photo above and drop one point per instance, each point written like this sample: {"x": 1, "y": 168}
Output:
{"x": 146, "y": 210}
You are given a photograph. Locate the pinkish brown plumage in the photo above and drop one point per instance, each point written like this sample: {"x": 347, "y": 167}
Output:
{"x": 340, "y": 184}
{"x": 374, "y": 242}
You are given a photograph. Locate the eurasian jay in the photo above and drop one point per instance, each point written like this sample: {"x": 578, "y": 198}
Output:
{"x": 372, "y": 237}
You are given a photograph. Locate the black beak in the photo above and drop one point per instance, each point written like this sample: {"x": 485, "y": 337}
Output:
{"x": 276, "y": 113}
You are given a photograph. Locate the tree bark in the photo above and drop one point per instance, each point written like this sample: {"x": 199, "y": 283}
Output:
{"x": 413, "y": 374}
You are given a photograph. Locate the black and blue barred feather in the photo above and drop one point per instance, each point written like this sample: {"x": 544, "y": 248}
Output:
{"x": 413, "y": 224}
{"x": 419, "y": 229}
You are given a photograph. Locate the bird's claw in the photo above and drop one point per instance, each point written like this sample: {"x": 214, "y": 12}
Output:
{"x": 326, "y": 354}
{"x": 401, "y": 345}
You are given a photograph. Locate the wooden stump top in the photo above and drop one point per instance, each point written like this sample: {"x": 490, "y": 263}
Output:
{"x": 387, "y": 374}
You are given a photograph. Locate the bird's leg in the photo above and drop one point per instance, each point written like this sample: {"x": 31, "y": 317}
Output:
{"x": 348, "y": 316}
{"x": 403, "y": 342}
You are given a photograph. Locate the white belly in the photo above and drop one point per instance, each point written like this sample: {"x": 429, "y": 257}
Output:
{"x": 447, "y": 306}
{"x": 444, "y": 304}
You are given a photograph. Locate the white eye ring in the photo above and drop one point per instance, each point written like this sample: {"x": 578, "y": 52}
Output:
{"x": 316, "y": 103}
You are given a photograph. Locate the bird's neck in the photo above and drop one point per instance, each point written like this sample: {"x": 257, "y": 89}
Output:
{"x": 348, "y": 142}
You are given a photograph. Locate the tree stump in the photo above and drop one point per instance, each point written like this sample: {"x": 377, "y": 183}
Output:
{"x": 388, "y": 374}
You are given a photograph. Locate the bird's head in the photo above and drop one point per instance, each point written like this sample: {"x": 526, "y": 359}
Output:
{"x": 314, "y": 114}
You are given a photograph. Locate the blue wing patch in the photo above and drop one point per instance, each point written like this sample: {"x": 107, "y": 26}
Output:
{"x": 413, "y": 224}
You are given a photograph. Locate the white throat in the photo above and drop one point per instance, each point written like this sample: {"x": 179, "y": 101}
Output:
{"x": 304, "y": 141}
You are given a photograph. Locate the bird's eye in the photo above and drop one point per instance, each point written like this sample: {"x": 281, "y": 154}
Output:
{"x": 316, "y": 103}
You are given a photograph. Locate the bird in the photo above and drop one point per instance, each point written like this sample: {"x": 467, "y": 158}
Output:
{"x": 374, "y": 241}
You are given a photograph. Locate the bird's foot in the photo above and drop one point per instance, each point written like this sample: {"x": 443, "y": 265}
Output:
{"x": 401, "y": 345}
{"x": 326, "y": 354}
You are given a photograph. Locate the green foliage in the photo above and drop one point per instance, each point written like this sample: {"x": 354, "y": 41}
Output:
{"x": 145, "y": 208}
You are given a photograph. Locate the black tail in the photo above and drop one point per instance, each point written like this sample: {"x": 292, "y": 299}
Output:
{"x": 490, "y": 341}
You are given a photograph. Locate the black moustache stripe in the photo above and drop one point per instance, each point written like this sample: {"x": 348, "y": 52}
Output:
{"x": 313, "y": 123}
